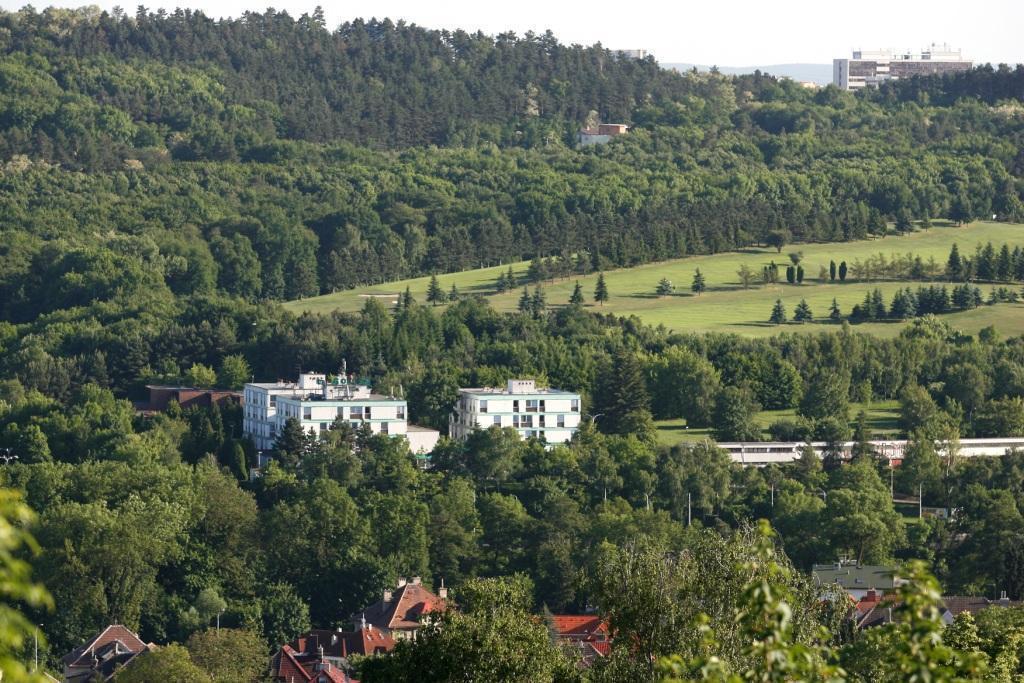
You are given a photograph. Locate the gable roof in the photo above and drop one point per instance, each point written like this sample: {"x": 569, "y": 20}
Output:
{"x": 956, "y": 604}
{"x": 578, "y": 625}
{"x": 367, "y": 640}
{"x": 295, "y": 667}
{"x": 856, "y": 576}
{"x": 115, "y": 633}
{"x": 403, "y": 611}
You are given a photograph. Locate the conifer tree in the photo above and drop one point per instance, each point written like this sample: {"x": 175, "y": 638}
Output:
{"x": 842, "y": 271}
{"x": 501, "y": 285}
{"x": 802, "y": 313}
{"x": 435, "y": 294}
{"x": 525, "y": 301}
{"x": 699, "y": 285}
{"x": 665, "y": 287}
{"x": 799, "y": 275}
{"x": 601, "y": 290}
{"x": 834, "y": 313}
{"x": 778, "y": 313}
{"x": 537, "y": 302}
{"x": 577, "y": 295}
{"x": 453, "y": 294}
{"x": 790, "y": 274}
{"x": 832, "y": 271}
{"x": 954, "y": 265}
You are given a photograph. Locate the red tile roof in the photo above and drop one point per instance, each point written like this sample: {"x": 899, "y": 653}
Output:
{"x": 290, "y": 666}
{"x": 363, "y": 641}
{"x": 403, "y": 611}
{"x": 578, "y": 625}
{"x": 103, "y": 655}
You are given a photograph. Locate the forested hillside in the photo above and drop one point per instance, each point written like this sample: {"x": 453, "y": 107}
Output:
{"x": 272, "y": 158}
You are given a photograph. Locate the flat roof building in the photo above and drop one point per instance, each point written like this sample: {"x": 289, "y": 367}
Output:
{"x": 316, "y": 403}
{"x": 869, "y": 68}
{"x": 551, "y": 415}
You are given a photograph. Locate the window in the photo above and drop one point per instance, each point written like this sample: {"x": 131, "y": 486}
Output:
{"x": 531, "y": 405}
{"x": 307, "y": 413}
{"x": 515, "y": 421}
{"x": 497, "y": 420}
{"x": 483, "y": 406}
{"x": 273, "y": 401}
{"x": 540, "y": 420}
{"x": 561, "y": 420}
{"x": 356, "y": 412}
{"x": 340, "y": 412}
{"x": 542, "y": 405}
{"x": 383, "y": 427}
{"x": 401, "y": 412}
{"x": 324, "y": 426}
{"x": 526, "y": 421}
{"x": 366, "y": 413}
{"x": 575, "y": 405}
{"x": 515, "y": 406}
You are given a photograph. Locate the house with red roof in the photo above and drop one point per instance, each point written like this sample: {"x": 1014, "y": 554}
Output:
{"x": 291, "y": 666}
{"x": 103, "y": 655}
{"x": 588, "y": 633}
{"x": 402, "y": 612}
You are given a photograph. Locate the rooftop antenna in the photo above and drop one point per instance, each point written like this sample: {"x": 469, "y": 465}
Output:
{"x": 343, "y": 379}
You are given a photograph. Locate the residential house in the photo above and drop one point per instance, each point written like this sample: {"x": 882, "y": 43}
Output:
{"x": 401, "y": 612}
{"x": 876, "y": 609}
{"x": 857, "y": 579}
{"x": 587, "y": 633}
{"x": 602, "y": 134}
{"x": 100, "y": 657}
{"x": 322, "y": 652}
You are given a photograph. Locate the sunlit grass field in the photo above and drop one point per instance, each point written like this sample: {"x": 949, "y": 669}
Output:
{"x": 883, "y": 417}
{"x": 726, "y": 306}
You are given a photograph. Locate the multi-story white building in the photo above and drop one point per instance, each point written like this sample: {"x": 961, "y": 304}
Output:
{"x": 316, "y": 403}
{"x": 550, "y": 415}
{"x": 868, "y": 68}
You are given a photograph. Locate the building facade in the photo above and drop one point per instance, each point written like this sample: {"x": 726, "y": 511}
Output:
{"x": 869, "y": 68}
{"x": 316, "y": 403}
{"x": 550, "y": 415}
{"x": 603, "y": 133}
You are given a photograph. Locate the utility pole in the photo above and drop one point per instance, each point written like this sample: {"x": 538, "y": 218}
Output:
{"x": 689, "y": 516}
{"x": 773, "y": 495}
{"x": 218, "y": 620}
{"x": 920, "y": 501}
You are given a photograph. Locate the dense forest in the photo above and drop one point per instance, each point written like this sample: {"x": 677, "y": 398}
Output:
{"x": 145, "y": 520}
{"x": 250, "y": 156}
{"x": 167, "y": 179}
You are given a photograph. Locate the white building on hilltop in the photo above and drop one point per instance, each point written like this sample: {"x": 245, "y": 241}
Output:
{"x": 550, "y": 415}
{"x": 316, "y": 403}
{"x": 868, "y": 68}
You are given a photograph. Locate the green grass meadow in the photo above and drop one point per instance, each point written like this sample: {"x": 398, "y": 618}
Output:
{"x": 726, "y": 306}
{"x": 883, "y": 420}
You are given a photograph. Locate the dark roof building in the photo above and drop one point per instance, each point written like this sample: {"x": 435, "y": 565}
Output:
{"x": 400, "y": 613}
{"x": 161, "y": 396}
{"x": 857, "y": 579}
{"x": 103, "y": 655}
{"x": 328, "y": 650}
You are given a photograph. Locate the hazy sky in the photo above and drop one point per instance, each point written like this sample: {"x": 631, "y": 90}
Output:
{"x": 736, "y": 33}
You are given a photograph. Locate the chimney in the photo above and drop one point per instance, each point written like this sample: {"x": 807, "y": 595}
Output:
{"x": 401, "y": 581}
{"x": 1004, "y": 600}
{"x": 387, "y": 595}
{"x": 416, "y": 580}
{"x": 442, "y": 592}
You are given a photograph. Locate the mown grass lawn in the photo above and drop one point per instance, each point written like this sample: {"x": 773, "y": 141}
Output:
{"x": 726, "y": 306}
{"x": 883, "y": 417}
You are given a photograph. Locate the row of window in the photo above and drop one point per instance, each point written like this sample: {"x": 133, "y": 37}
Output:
{"x": 355, "y": 412}
{"x": 531, "y": 405}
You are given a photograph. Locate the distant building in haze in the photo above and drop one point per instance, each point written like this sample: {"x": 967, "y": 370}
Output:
{"x": 602, "y": 133}
{"x": 868, "y": 68}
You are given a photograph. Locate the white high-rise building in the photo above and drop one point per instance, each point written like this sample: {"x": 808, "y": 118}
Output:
{"x": 868, "y": 68}
{"x": 550, "y": 415}
{"x": 316, "y": 403}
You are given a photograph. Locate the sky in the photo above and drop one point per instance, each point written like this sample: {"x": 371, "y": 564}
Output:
{"x": 729, "y": 33}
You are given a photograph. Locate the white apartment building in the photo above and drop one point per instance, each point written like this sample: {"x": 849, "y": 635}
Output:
{"x": 868, "y": 68}
{"x": 317, "y": 403}
{"x": 550, "y": 415}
